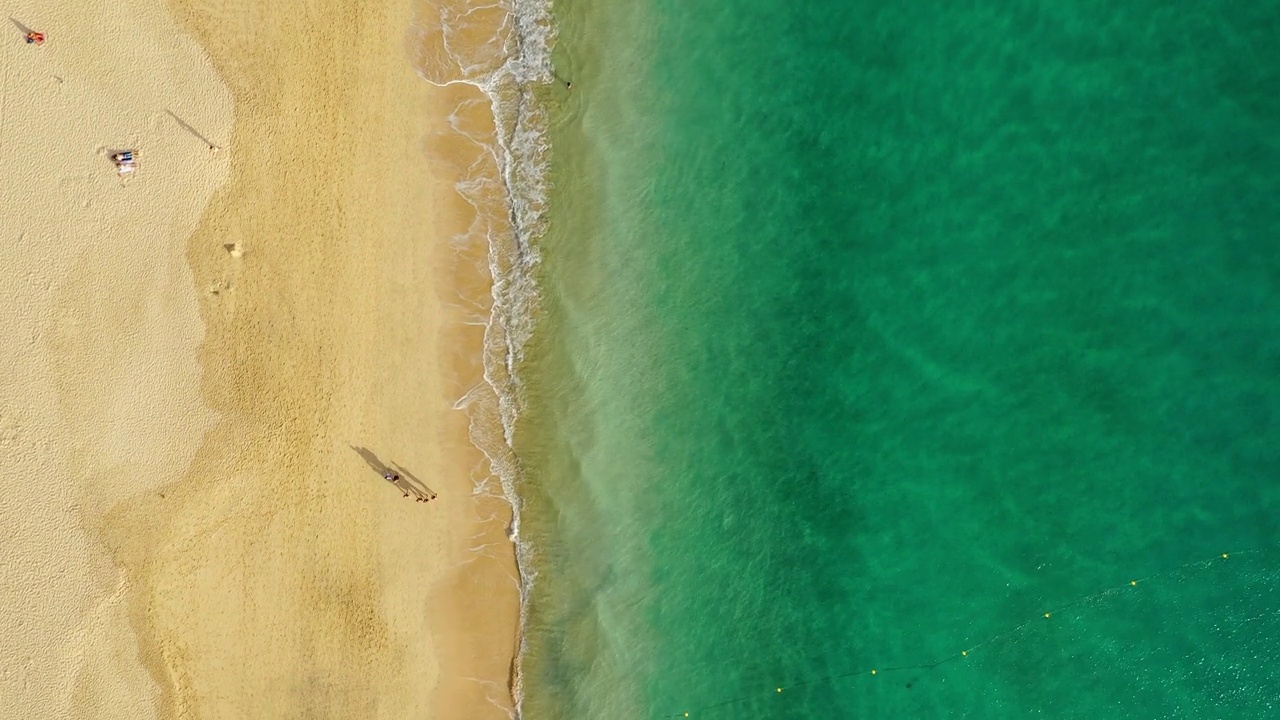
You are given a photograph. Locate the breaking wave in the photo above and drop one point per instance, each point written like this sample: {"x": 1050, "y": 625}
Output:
{"x": 504, "y": 50}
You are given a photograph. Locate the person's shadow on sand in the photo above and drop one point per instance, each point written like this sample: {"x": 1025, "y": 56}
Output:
{"x": 21, "y": 28}
{"x": 414, "y": 481}
{"x": 408, "y": 482}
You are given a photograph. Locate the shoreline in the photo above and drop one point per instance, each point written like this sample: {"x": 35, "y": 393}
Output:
{"x": 496, "y": 63}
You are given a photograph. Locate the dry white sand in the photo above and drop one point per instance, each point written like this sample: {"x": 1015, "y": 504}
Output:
{"x": 99, "y": 327}
{"x": 187, "y": 526}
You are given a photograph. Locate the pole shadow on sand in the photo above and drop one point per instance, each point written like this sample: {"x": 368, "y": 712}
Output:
{"x": 193, "y": 131}
{"x": 408, "y": 482}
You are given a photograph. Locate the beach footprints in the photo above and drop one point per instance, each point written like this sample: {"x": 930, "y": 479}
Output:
{"x": 224, "y": 287}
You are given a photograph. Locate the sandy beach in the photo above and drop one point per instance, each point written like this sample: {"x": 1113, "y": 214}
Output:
{"x": 212, "y": 361}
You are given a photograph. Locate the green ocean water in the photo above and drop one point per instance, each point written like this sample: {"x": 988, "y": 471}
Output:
{"x": 874, "y": 331}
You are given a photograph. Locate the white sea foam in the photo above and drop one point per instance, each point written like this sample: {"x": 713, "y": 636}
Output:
{"x": 507, "y": 66}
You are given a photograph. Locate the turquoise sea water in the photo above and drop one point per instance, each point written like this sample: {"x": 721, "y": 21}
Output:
{"x": 874, "y": 331}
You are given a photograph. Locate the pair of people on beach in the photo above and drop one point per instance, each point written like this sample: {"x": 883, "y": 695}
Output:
{"x": 395, "y": 478}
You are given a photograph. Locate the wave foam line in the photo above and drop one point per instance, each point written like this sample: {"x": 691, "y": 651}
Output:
{"x": 524, "y": 42}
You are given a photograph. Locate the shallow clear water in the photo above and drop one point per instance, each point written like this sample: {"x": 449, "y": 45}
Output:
{"x": 873, "y": 334}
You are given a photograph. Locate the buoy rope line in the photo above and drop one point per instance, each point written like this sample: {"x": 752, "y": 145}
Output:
{"x": 1047, "y": 615}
